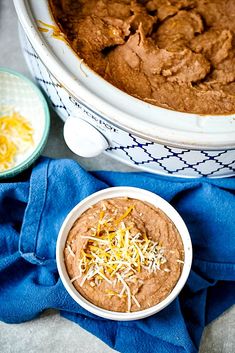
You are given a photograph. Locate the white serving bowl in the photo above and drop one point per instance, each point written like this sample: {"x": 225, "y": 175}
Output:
{"x": 142, "y": 195}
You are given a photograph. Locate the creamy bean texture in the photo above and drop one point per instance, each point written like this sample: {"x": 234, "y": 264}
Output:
{"x": 124, "y": 255}
{"x": 177, "y": 54}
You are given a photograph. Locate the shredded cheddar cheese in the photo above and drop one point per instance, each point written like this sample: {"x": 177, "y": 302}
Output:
{"x": 7, "y": 153}
{"x": 16, "y": 136}
{"x": 54, "y": 31}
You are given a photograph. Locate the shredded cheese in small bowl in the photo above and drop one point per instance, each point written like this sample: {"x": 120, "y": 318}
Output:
{"x": 24, "y": 123}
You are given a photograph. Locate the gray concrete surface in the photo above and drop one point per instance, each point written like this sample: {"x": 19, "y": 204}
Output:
{"x": 50, "y": 332}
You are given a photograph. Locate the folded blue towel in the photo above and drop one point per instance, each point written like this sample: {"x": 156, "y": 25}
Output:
{"x": 32, "y": 211}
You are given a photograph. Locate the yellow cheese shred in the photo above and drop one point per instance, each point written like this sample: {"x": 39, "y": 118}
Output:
{"x": 128, "y": 211}
{"x": 16, "y": 136}
{"x": 56, "y": 33}
{"x": 7, "y": 153}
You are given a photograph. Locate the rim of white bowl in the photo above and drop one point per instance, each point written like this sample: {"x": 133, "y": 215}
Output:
{"x": 114, "y": 192}
{"x": 180, "y": 130}
{"x": 37, "y": 151}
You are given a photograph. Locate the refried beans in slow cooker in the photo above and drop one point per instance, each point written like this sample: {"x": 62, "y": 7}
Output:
{"x": 176, "y": 54}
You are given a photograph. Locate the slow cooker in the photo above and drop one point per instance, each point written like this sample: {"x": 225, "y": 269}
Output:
{"x": 101, "y": 118}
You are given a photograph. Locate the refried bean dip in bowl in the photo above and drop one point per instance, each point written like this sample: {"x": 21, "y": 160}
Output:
{"x": 124, "y": 253}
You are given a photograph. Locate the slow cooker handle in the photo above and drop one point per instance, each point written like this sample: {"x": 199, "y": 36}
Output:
{"x": 83, "y": 139}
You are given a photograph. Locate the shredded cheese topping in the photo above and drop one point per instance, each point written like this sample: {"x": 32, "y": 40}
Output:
{"x": 16, "y": 136}
{"x": 116, "y": 253}
{"x": 54, "y": 31}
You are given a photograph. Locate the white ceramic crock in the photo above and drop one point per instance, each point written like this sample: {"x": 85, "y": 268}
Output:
{"x": 142, "y": 195}
{"x": 140, "y": 134}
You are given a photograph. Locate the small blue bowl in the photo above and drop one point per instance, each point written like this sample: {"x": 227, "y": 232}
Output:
{"x": 18, "y": 94}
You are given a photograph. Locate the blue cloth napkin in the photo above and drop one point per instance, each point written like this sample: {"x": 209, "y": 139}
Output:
{"x": 32, "y": 211}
